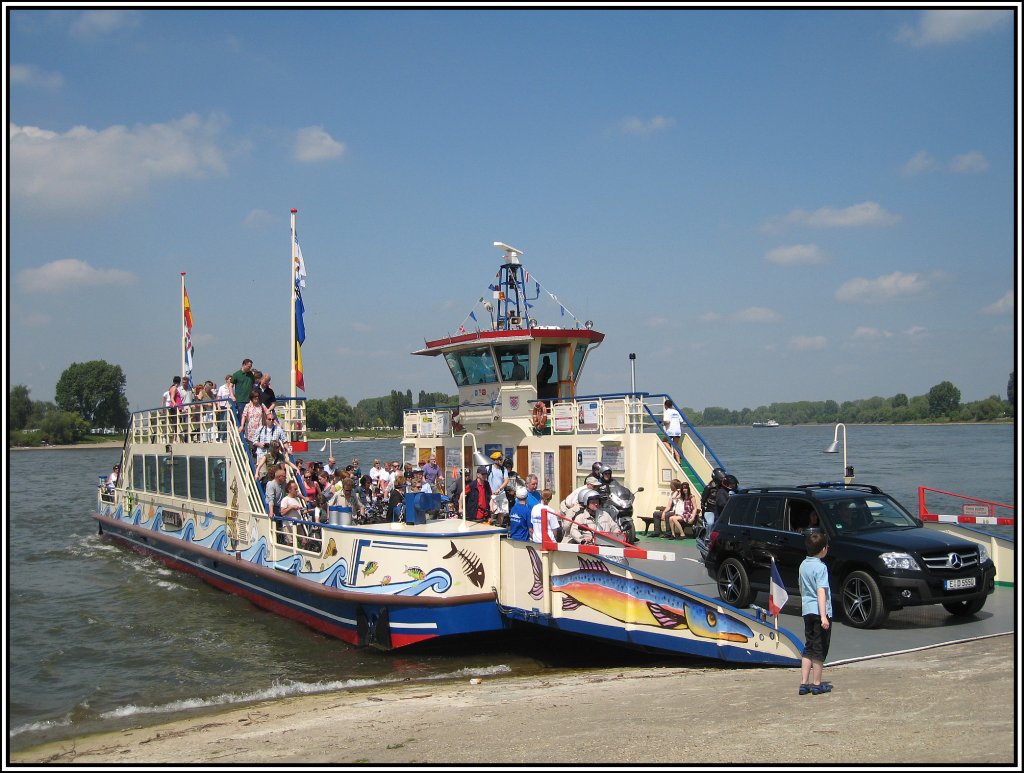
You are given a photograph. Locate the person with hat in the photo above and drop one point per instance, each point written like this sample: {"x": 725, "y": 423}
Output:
{"x": 519, "y": 517}
{"x": 571, "y": 505}
{"x": 497, "y": 477}
{"x": 584, "y": 523}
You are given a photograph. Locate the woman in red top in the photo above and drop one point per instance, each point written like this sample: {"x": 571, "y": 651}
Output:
{"x": 478, "y": 497}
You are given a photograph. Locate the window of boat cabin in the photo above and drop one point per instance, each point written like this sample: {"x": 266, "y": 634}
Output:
{"x": 473, "y": 366}
{"x": 514, "y": 362}
{"x": 150, "y": 473}
{"x": 179, "y": 466}
{"x": 547, "y": 379}
{"x": 163, "y": 474}
{"x": 138, "y": 473}
{"x": 217, "y": 479}
{"x": 577, "y": 360}
{"x": 197, "y": 477}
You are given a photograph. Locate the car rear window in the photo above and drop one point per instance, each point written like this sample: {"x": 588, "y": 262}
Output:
{"x": 741, "y": 511}
{"x": 768, "y": 514}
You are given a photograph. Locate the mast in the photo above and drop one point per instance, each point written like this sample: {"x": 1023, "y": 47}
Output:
{"x": 293, "y": 342}
{"x": 184, "y": 338}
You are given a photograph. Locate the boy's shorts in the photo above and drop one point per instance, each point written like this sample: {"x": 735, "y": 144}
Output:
{"x": 816, "y": 639}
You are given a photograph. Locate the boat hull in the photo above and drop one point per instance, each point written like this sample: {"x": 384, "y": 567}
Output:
{"x": 358, "y": 618}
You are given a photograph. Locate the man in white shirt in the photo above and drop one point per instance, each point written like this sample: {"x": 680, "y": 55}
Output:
{"x": 377, "y": 472}
{"x": 672, "y": 421}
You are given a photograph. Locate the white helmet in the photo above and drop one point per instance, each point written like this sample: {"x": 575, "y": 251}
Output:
{"x": 586, "y": 495}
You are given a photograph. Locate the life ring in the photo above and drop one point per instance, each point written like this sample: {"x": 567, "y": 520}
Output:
{"x": 540, "y": 415}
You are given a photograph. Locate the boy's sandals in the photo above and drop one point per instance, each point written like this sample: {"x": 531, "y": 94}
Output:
{"x": 804, "y": 689}
{"x": 819, "y": 689}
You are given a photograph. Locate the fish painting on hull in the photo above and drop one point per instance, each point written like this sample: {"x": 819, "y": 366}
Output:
{"x": 636, "y": 602}
{"x": 471, "y": 565}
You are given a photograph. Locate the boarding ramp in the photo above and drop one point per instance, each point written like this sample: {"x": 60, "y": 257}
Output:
{"x": 982, "y": 521}
{"x": 592, "y": 590}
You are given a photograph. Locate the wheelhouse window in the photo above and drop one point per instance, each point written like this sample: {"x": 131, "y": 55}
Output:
{"x": 217, "y": 479}
{"x": 179, "y": 465}
{"x": 514, "y": 362}
{"x": 197, "y": 477}
{"x": 474, "y": 366}
{"x": 577, "y": 360}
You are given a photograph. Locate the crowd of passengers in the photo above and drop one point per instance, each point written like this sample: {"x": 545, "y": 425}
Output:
{"x": 318, "y": 493}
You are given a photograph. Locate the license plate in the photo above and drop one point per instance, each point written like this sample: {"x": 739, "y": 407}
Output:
{"x": 963, "y": 582}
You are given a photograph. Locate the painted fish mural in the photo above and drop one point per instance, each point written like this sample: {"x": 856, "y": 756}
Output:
{"x": 415, "y": 572}
{"x": 370, "y": 568}
{"x": 635, "y": 601}
{"x": 471, "y": 565}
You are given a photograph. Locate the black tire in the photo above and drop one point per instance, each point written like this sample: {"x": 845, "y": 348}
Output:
{"x": 965, "y": 608}
{"x": 861, "y": 601}
{"x": 734, "y": 584}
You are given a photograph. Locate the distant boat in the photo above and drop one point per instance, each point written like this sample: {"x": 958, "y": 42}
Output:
{"x": 769, "y": 423}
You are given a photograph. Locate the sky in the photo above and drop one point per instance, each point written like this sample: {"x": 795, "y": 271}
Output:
{"x": 762, "y": 204}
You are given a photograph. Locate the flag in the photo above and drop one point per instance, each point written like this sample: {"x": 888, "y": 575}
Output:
{"x": 300, "y": 266}
{"x": 462, "y": 328}
{"x": 188, "y": 361}
{"x": 188, "y": 309}
{"x": 300, "y": 309}
{"x": 777, "y": 596}
{"x": 473, "y": 315}
{"x": 526, "y": 276}
{"x": 300, "y": 337}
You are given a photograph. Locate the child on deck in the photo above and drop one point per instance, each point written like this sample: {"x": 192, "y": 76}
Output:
{"x": 816, "y": 605}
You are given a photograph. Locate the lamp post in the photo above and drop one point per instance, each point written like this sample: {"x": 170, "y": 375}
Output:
{"x": 632, "y": 372}
{"x": 834, "y": 448}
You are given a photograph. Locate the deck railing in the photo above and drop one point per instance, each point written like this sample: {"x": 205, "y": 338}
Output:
{"x": 972, "y": 509}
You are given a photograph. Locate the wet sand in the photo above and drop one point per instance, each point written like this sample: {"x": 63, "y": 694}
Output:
{"x": 948, "y": 705}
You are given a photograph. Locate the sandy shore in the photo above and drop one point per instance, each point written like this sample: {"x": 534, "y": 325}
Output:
{"x": 947, "y": 705}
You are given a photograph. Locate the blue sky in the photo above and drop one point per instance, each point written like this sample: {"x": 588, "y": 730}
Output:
{"x": 765, "y": 205}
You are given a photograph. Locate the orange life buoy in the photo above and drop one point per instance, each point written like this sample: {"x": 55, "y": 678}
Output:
{"x": 540, "y": 415}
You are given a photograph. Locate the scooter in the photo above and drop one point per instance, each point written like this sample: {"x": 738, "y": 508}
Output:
{"x": 619, "y": 504}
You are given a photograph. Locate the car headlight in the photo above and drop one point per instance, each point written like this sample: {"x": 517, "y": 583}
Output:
{"x": 982, "y": 553}
{"x": 899, "y": 561}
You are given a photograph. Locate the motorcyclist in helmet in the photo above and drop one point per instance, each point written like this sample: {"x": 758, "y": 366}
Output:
{"x": 584, "y": 524}
{"x": 605, "y": 476}
{"x": 709, "y": 499}
{"x": 728, "y": 486}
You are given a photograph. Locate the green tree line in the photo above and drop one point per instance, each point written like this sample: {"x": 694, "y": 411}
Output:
{"x": 941, "y": 404}
{"x": 335, "y": 413}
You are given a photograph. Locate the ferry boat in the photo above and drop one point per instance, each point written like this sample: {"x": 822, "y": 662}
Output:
{"x": 189, "y": 496}
{"x": 769, "y": 423}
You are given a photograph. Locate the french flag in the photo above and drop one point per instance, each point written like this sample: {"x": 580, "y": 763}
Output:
{"x": 777, "y": 596}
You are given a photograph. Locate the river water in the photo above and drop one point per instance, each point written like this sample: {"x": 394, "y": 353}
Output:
{"x": 101, "y": 638}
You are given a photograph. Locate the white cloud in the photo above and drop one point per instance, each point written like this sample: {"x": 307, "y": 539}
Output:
{"x": 87, "y": 169}
{"x": 710, "y": 316}
{"x": 921, "y": 162}
{"x": 796, "y": 255}
{"x": 807, "y": 343}
{"x": 868, "y": 213}
{"x": 870, "y": 334}
{"x": 915, "y": 332}
{"x": 258, "y": 218}
{"x": 892, "y": 287}
{"x": 1003, "y": 306}
{"x": 642, "y": 128}
{"x": 939, "y": 27}
{"x": 969, "y": 163}
{"x": 315, "y": 144}
{"x": 93, "y": 24}
{"x": 71, "y": 275}
{"x": 35, "y": 319}
{"x": 31, "y": 76}
{"x": 756, "y": 314}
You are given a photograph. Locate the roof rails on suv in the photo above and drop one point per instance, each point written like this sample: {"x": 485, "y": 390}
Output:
{"x": 841, "y": 485}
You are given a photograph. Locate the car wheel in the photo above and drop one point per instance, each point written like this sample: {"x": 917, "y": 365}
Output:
{"x": 965, "y": 608}
{"x": 863, "y": 606}
{"x": 733, "y": 584}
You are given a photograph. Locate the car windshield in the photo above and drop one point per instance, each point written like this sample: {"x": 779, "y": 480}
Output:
{"x": 867, "y": 513}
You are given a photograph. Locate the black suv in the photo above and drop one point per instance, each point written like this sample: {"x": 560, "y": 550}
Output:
{"x": 880, "y": 557}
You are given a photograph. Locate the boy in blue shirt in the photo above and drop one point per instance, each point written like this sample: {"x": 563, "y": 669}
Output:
{"x": 816, "y": 607}
{"x": 519, "y": 517}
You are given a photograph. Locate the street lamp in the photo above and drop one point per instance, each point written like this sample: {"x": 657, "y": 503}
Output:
{"x": 632, "y": 372}
{"x": 329, "y": 444}
{"x": 834, "y": 448}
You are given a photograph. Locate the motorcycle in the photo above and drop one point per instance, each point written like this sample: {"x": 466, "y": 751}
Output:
{"x": 618, "y": 502}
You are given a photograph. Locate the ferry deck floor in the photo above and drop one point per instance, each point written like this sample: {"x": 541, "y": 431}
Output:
{"x": 904, "y": 630}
